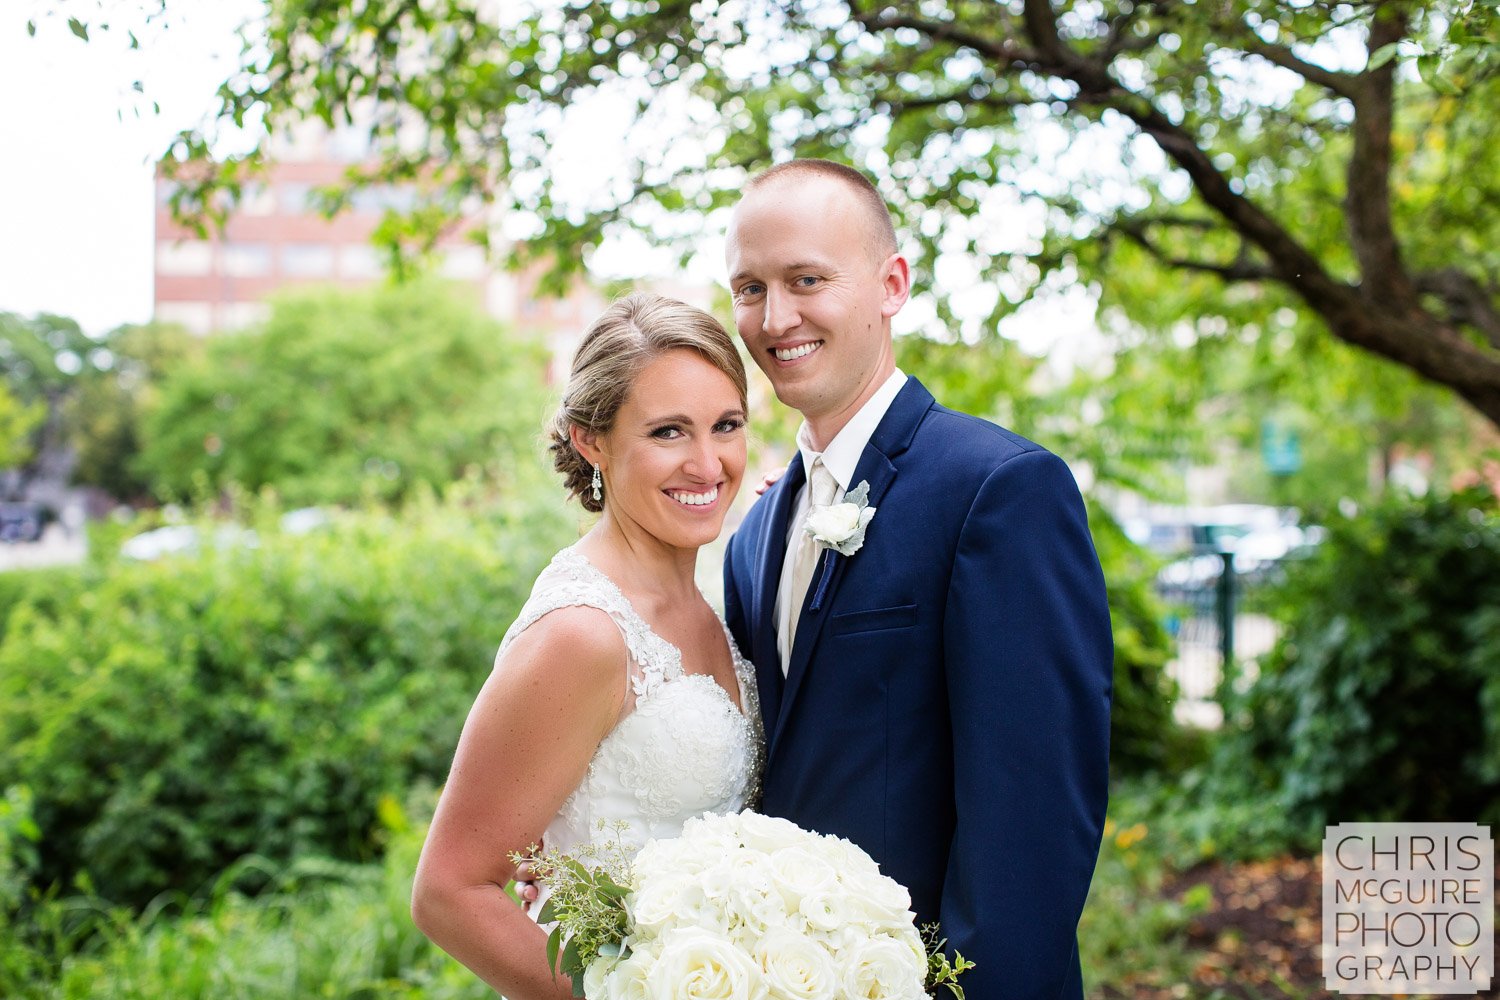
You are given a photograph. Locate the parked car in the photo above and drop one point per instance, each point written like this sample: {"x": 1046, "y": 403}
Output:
{"x": 175, "y": 539}
{"x": 23, "y": 521}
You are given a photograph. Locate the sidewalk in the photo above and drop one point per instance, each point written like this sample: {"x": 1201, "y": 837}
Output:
{"x": 56, "y": 547}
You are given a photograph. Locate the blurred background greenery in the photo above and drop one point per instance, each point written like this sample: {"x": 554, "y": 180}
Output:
{"x": 222, "y": 729}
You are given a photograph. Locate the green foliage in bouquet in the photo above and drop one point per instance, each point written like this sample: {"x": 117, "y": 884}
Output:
{"x": 260, "y": 695}
{"x": 611, "y": 906}
{"x": 1382, "y": 699}
{"x": 940, "y": 971}
{"x": 586, "y": 900}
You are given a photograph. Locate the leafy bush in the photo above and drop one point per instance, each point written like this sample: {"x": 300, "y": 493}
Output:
{"x": 1382, "y": 699}
{"x": 1143, "y": 734}
{"x": 170, "y": 717}
{"x": 344, "y": 393}
{"x": 319, "y": 928}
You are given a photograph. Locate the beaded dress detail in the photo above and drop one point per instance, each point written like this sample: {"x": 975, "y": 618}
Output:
{"x": 681, "y": 748}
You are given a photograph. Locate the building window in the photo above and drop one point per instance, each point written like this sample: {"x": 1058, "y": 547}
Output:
{"x": 359, "y": 262}
{"x": 184, "y": 258}
{"x": 292, "y": 198}
{"x": 247, "y": 260}
{"x": 238, "y": 315}
{"x": 464, "y": 263}
{"x": 257, "y": 199}
{"x": 306, "y": 260}
{"x": 195, "y": 316}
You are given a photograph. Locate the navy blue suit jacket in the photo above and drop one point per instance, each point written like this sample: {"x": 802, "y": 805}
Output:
{"x": 947, "y": 703}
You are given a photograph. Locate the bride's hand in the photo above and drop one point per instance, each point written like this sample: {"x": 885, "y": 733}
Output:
{"x": 526, "y": 888}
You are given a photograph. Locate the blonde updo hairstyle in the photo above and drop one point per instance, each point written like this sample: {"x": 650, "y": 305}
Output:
{"x": 626, "y": 337}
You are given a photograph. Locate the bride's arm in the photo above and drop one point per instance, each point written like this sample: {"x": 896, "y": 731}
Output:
{"x": 528, "y": 740}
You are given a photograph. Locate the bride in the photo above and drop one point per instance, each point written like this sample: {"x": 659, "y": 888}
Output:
{"x": 617, "y": 694}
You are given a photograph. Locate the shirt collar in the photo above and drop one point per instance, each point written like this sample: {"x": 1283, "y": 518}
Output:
{"x": 842, "y": 455}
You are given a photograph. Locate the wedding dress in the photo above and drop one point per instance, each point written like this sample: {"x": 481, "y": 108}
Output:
{"x": 681, "y": 748}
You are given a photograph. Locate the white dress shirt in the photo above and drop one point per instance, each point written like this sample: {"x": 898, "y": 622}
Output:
{"x": 841, "y": 457}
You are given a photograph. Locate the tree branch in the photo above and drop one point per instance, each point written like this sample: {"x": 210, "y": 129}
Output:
{"x": 1242, "y": 268}
{"x": 894, "y": 106}
{"x": 1383, "y": 278}
{"x": 1001, "y": 50}
{"x": 1290, "y": 260}
{"x": 1340, "y": 83}
{"x": 1468, "y": 302}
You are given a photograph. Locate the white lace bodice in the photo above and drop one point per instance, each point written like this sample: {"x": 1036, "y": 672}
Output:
{"x": 682, "y": 749}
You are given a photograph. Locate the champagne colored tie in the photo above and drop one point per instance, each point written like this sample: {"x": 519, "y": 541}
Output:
{"x": 821, "y": 487}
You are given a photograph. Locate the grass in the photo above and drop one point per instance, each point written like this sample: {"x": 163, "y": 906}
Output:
{"x": 325, "y": 929}
{"x": 1130, "y": 938}
{"x": 322, "y": 930}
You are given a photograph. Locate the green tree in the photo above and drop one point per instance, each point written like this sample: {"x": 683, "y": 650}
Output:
{"x": 341, "y": 394}
{"x": 1381, "y": 702}
{"x": 1334, "y": 159}
{"x": 43, "y": 361}
{"x": 17, "y": 421}
{"x": 105, "y": 413}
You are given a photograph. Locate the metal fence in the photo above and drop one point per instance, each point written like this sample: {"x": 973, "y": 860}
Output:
{"x": 1208, "y": 620}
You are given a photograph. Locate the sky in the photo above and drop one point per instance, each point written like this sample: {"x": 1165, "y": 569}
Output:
{"x": 76, "y": 201}
{"x": 76, "y": 193}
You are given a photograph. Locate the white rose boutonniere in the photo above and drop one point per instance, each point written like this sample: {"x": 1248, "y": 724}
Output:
{"x": 841, "y": 526}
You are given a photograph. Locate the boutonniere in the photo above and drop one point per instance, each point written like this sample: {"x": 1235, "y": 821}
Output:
{"x": 841, "y": 526}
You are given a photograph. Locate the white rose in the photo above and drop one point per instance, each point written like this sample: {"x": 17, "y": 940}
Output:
{"x": 627, "y": 981}
{"x": 711, "y": 833}
{"x": 846, "y": 857}
{"x": 738, "y": 867}
{"x": 769, "y": 833}
{"x": 697, "y": 965}
{"x": 756, "y": 909}
{"x": 883, "y": 969}
{"x": 675, "y": 856}
{"x": 882, "y": 896}
{"x": 828, "y": 911}
{"x": 594, "y": 975}
{"x": 796, "y": 968}
{"x": 672, "y": 901}
{"x": 834, "y": 523}
{"x": 798, "y": 871}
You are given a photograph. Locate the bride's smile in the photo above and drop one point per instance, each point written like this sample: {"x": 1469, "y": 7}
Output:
{"x": 675, "y": 457}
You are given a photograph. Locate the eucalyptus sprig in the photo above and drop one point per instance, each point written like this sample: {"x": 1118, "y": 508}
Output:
{"x": 585, "y": 903}
{"x": 941, "y": 972}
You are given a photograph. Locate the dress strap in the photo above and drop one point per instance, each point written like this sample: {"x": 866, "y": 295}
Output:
{"x": 570, "y": 580}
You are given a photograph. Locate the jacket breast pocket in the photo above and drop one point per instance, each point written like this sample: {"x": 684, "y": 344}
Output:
{"x": 875, "y": 620}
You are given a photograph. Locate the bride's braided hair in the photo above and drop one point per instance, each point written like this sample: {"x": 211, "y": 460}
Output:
{"x": 622, "y": 341}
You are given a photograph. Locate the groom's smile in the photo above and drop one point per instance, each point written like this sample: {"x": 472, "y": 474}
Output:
{"x": 787, "y": 354}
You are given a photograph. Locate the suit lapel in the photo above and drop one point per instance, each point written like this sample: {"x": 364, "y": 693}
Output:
{"x": 877, "y": 467}
{"x": 770, "y": 550}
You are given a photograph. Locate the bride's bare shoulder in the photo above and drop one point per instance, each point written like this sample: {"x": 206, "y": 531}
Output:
{"x": 573, "y": 644}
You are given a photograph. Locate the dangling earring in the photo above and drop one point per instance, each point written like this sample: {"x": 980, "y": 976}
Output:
{"x": 598, "y": 484}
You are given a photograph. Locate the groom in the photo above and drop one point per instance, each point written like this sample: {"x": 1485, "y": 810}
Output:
{"x": 937, "y": 692}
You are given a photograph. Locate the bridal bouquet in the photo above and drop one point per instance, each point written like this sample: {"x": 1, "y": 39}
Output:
{"x": 739, "y": 907}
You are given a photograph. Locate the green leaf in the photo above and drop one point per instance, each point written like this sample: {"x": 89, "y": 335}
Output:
{"x": 554, "y": 942}
{"x": 78, "y": 28}
{"x": 572, "y": 960}
{"x": 31, "y": 28}
{"x": 1383, "y": 55}
{"x": 612, "y": 889}
{"x": 549, "y": 912}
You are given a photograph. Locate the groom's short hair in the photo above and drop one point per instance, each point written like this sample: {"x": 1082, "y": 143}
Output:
{"x": 877, "y": 212}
